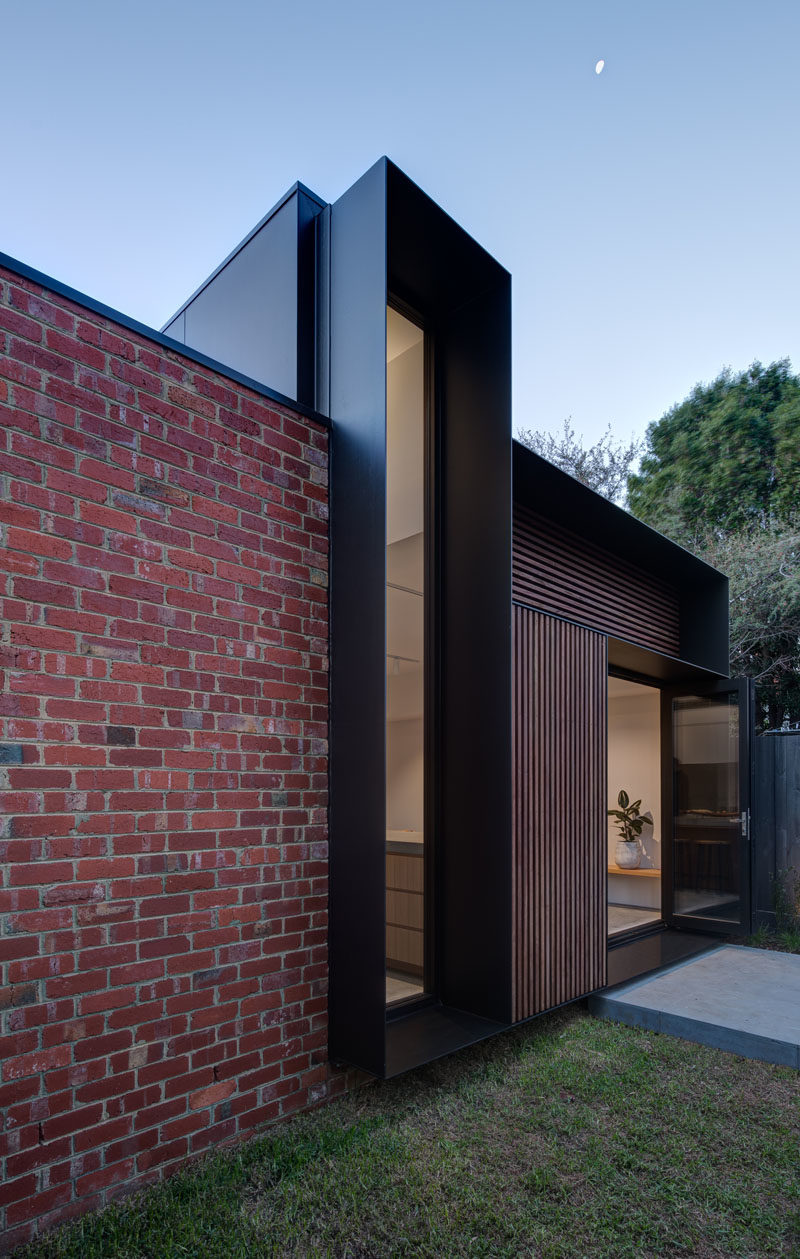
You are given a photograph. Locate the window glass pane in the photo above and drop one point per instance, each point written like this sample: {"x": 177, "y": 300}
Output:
{"x": 405, "y": 658}
{"x": 706, "y": 801}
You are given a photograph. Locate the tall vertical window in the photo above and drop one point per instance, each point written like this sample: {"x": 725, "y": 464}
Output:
{"x": 405, "y": 658}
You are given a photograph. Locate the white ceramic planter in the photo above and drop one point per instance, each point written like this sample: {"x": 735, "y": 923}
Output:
{"x": 628, "y": 855}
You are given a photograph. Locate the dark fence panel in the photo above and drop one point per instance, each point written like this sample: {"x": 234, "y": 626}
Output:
{"x": 776, "y": 817}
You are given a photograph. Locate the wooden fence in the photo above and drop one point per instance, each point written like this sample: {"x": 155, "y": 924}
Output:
{"x": 775, "y": 817}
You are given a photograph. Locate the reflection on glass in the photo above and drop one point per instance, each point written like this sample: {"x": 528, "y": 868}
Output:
{"x": 405, "y": 657}
{"x": 706, "y": 802}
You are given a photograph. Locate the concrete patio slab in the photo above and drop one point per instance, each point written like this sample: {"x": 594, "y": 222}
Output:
{"x": 746, "y": 1001}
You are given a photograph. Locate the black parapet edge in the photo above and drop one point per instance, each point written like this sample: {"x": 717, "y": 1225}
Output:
{"x": 159, "y": 338}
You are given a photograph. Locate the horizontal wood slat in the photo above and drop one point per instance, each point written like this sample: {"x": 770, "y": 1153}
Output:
{"x": 559, "y": 836}
{"x": 558, "y": 572}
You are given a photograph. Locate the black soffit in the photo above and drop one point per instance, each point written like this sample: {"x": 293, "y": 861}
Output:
{"x": 432, "y": 1032}
{"x": 629, "y": 658}
{"x": 433, "y": 264}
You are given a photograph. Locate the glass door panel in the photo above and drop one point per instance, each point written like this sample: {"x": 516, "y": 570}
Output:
{"x": 710, "y": 808}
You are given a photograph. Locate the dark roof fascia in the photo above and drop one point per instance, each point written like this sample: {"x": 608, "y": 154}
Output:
{"x": 394, "y": 171}
{"x": 546, "y": 489}
{"x": 295, "y": 188}
{"x": 152, "y": 334}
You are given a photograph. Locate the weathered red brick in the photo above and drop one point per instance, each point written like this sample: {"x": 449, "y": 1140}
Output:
{"x": 166, "y": 670}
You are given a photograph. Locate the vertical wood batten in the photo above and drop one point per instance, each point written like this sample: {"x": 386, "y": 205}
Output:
{"x": 559, "y": 937}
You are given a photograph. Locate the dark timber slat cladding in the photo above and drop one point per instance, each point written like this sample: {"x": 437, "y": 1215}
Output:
{"x": 559, "y": 938}
{"x": 558, "y": 572}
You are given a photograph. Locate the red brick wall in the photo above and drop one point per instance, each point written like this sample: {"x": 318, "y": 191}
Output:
{"x": 163, "y": 759}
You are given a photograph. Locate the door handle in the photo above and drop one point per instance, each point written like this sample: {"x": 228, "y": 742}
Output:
{"x": 745, "y": 823}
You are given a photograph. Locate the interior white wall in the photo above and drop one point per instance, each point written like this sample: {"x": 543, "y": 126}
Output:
{"x": 405, "y": 561}
{"x": 404, "y": 775}
{"x": 405, "y": 442}
{"x": 634, "y": 761}
{"x": 404, "y": 697}
{"x": 401, "y": 333}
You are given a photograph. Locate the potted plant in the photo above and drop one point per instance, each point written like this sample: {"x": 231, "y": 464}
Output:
{"x": 630, "y": 823}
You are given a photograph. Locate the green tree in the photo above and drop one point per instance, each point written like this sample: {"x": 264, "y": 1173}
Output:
{"x": 763, "y": 569}
{"x": 604, "y": 467}
{"x": 727, "y": 458}
{"x": 721, "y": 474}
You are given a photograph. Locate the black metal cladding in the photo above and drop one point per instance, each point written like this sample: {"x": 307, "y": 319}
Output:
{"x": 466, "y": 295}
{"x": 357, "y": 314}
{"x": 388, "y": 237}
{"x": 256, "y": 311}
{"x": 475, "y": 767}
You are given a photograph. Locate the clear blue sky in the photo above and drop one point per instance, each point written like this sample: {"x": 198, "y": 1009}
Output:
{"x": 648, "y": 215}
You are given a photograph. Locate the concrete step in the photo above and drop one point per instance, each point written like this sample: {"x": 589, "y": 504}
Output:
{"x": 743, "y": 1000}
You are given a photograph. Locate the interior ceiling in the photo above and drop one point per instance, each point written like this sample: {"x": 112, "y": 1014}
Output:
{"x": 401, "y": 334}
{"x": 619, "y": 687}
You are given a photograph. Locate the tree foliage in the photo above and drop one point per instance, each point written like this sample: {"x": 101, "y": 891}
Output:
{"x": 727, "y": 458}
{"x": 721, "y": 475}
{"x": 763, "y": 568}
{"x": 604, "y": 467}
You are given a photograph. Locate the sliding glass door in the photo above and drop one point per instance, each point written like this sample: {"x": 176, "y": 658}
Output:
{"x": 707, "y": 784}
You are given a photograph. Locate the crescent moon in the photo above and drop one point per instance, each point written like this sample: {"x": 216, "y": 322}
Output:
{"x": 599, "y": 67}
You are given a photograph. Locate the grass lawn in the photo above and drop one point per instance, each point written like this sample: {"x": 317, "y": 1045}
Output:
{"x": 569, "y": 1137}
